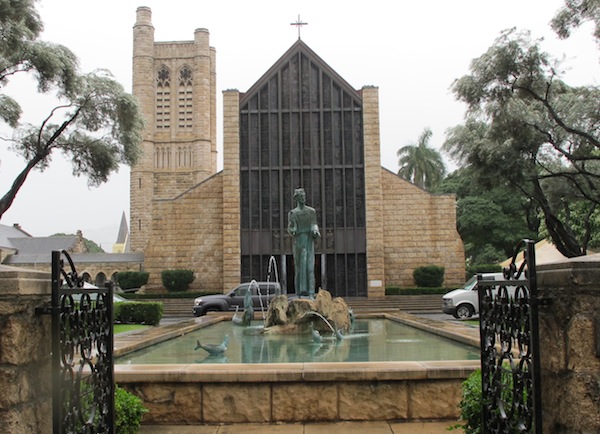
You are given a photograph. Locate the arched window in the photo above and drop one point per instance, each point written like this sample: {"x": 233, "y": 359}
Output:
{"x": 162, "y": 157}
{"x": 163, "y": 98}
{"x": 100, "y": 279}
{"x": 184, "y": 99}
{"x": 86, "y": 277}
{"x": 184, "y": 156}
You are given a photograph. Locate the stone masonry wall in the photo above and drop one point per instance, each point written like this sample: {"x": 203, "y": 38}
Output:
{"x": 187, "y": 233}
{"x": 231, "y": 189}
{"x": 25, "y": 375}
{"x": 570, "y": 345}
{"x": 376, "y": 279}
{"x": 420, "y": 229}
{"x": 93, "y": 268}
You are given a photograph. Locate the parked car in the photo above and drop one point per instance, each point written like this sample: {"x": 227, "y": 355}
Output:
{"x": 116, "y": 297}
{"x": 464, "y": 302}
{"x": 262, "y": 294}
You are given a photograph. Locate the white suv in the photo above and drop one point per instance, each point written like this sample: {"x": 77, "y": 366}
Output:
{"x": 464, "y": 302}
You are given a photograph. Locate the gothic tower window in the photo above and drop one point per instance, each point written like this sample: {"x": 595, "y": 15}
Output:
{"x": 162, "y": 157}
{"x": 163, "y": 98}
{"x": 184, "y": 99}
{"x": 184, "y": 156}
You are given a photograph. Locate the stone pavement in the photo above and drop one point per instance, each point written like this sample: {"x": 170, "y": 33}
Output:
{"x": 381, "y": 427}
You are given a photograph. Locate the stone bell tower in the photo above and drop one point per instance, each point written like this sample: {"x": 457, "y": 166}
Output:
{"x": 175, "y": 84}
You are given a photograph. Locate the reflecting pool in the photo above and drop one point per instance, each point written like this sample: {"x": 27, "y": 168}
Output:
{"x": 371, "y": 340}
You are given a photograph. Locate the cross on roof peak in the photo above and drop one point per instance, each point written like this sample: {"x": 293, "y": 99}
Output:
{"x": 299, "y": 24}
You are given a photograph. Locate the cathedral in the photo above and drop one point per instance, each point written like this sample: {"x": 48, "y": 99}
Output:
{"x": 301, "y": 125}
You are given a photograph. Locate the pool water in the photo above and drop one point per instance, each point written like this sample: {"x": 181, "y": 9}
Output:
{"x": 370, "y": 341}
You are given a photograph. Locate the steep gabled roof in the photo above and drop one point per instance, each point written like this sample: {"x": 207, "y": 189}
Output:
{"x": 299, "y": 47}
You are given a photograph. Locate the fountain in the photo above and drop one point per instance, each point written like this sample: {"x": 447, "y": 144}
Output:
{"x": 289, "y": 390}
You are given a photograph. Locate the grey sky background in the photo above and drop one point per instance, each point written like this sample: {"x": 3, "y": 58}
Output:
{"x": 412, "y": 51}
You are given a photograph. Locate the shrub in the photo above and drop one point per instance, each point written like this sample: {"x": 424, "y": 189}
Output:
{"x": 429, "y": 276}
{"x": 394, "y": 290}
{"x": 177, "y": 280}
{"x": 132, "y": 279}
{"x": 129, "y": 410}
{"x": 470, "y": 404}
{"x": 136, "y": 312}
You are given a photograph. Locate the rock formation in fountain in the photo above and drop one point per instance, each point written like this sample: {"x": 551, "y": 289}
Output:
{"x": 326, "y": 314}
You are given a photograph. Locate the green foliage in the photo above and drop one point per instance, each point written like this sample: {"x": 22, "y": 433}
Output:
{"x": 526, "y": 127}
{"x": 482, "y": 268}
{"x": 491, "y": 219}
{"x": 129, "y": 410}
{"x": 177, "y": 280}
{"x": 96, "y": 124}
{"x": 138, "y": 312}
{"x": 429, "y": 276}
{"x": 132, "y": 279}
{"x": 573, "y": 15}
{"x": 169, "y": 295}
{"x": 471, "y": 404}
{"x": 420, "y": 164}
{"x": 393, "y": 290}
{"x": 90, "y": 245}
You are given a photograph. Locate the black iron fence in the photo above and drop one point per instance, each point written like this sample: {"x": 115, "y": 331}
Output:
{"x": 82, "y": 347}
{"x": 510, "y": 359}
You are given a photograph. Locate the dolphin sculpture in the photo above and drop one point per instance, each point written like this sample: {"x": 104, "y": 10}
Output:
{"x": 214, "y": 349}
{"x": 316, "y": 336}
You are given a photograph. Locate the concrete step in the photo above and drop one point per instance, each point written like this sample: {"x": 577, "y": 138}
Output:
{"x": 408, "y": 303}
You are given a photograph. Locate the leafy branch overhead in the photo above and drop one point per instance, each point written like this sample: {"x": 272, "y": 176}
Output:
{"x": 95, "y": 123}
{"x": 525, "y": 126}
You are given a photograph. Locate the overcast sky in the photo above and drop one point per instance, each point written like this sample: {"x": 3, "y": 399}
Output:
{"x": 412, "y": 51}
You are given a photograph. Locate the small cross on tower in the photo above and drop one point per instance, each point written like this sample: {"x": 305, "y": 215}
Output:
{"x": 298, "y": 24}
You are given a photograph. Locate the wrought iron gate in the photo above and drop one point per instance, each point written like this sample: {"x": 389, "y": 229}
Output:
{"x": 510, "y": 359}
{"x": 82, "y": 347}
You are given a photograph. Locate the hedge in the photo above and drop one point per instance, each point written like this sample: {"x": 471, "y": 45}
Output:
{"x": 394, "y": 290}
{"x": 132, "y": 279}
{"x": 136, "y": 312}
{"x": 177, "y": 280}
{"x": 429, "y": 276}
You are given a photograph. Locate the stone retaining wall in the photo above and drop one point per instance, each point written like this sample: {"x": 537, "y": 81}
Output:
{"x": 297, "y": 392}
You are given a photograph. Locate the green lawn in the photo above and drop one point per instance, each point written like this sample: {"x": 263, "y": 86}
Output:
{"x": 122, "y": 328}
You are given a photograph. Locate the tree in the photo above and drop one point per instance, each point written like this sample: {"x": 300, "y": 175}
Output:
{"x": 491, "y": 220}
{"x": 95, "y": 123}
{"x": 420, "y": 164}
{"x": 525, "y": 126}
{"x": 90, "y": 245}
{"x": 574, "y": 14}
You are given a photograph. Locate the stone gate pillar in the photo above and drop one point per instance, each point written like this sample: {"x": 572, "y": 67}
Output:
{"x": 570, "y": 345}
{"x": 25, "y": 359}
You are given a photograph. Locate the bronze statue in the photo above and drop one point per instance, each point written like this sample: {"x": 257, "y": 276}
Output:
{"x": 302, "y": 226}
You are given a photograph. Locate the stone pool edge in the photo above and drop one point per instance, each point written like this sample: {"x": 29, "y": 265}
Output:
{"x": 297, "y": 392}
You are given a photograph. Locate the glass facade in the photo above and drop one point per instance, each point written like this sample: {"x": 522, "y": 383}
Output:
{"x": 301, "y": 126}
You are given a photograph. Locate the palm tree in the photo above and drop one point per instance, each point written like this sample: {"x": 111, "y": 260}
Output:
{"x": 420, "y": 164}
